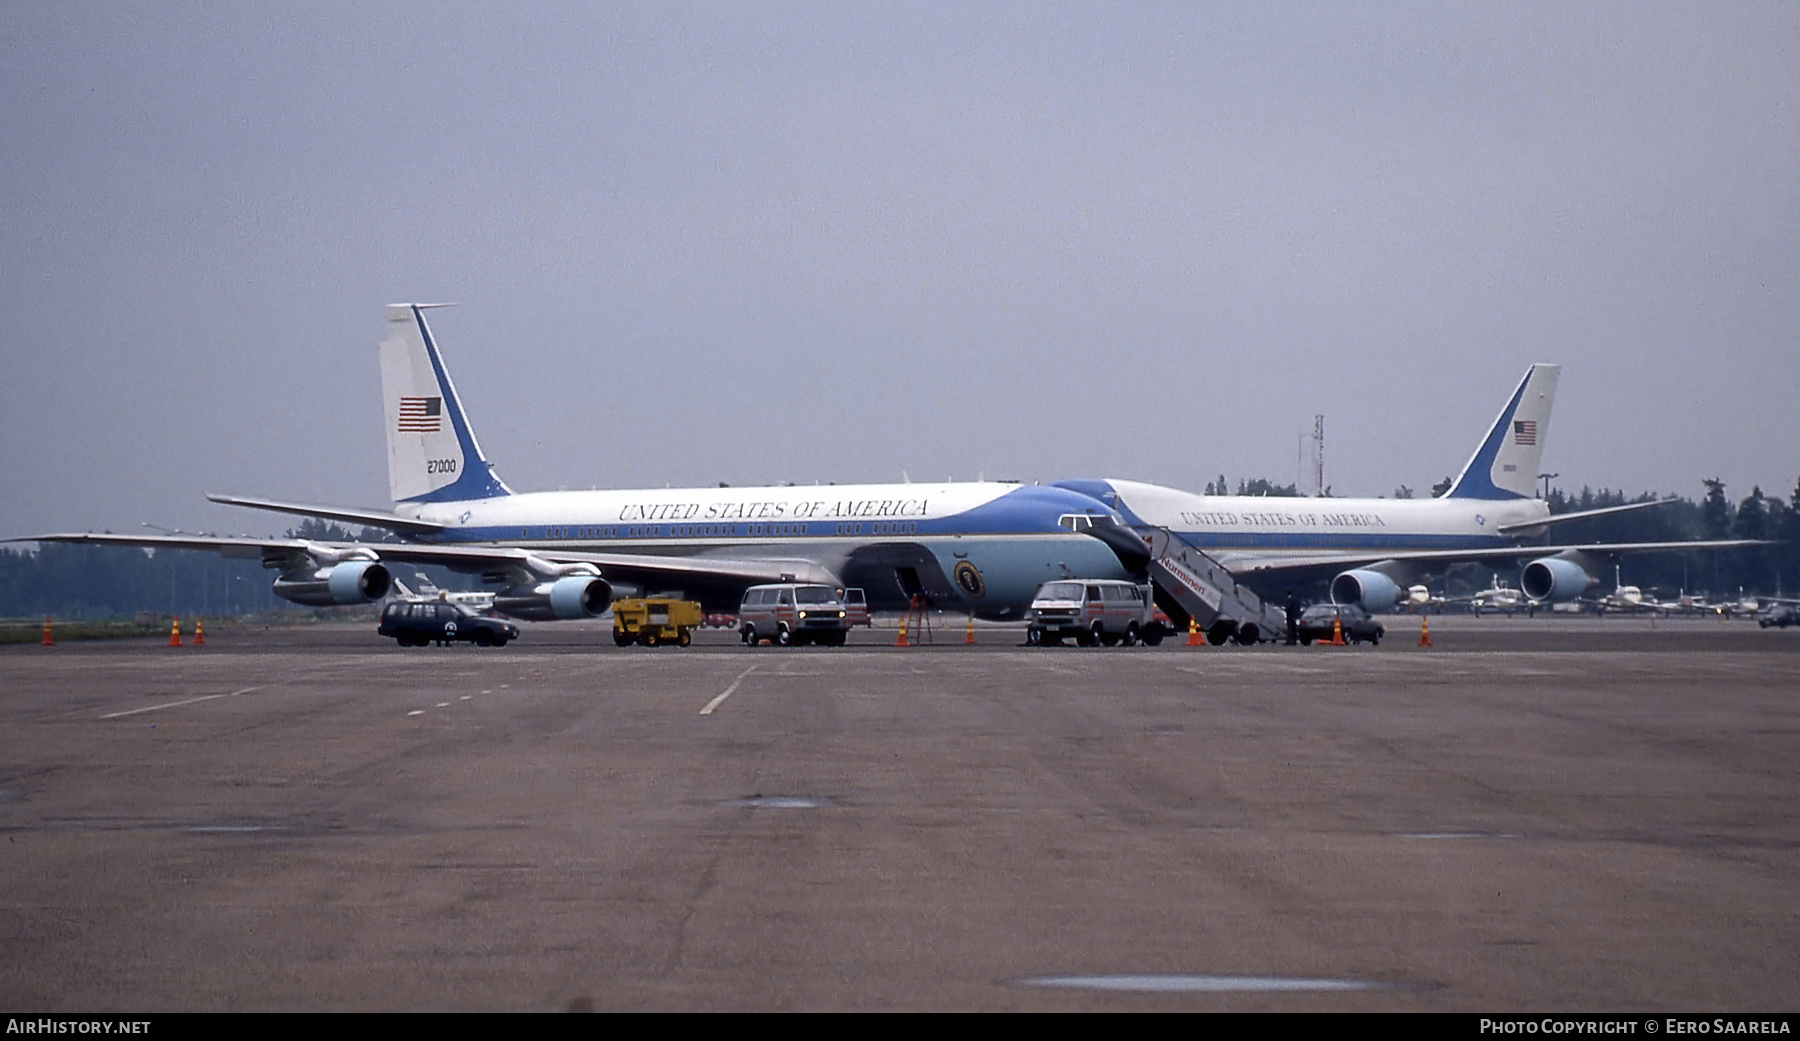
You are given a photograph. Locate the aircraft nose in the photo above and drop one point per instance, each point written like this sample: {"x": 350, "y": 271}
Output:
{"x": 1133, "y": 553}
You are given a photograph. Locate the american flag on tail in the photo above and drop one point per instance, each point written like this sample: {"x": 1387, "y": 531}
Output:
{"x": 421, "y": 415}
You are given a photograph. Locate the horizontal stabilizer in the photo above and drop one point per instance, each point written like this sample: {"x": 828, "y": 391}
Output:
{"x": 368, "y": 518}
{"x": 1564, "y": 518}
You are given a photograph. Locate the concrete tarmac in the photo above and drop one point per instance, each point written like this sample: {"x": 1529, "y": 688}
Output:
{"x": 1530, "y": 815}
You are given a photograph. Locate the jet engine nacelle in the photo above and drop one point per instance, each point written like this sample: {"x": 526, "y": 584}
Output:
{"x": 574, "y": 596}
{"x": 1372, "y": 590}
{"x": 1555, "y": 579}
{"x": 352, "y": 582}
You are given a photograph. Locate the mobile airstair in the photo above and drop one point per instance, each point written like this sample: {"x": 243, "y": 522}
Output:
{"x": 1191, "y": 585}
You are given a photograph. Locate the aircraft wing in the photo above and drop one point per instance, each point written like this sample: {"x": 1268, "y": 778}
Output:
{"x": 1565, "y": 518}
{"x": 640, "y": 568}
{"x": 238, "y": 548}
{"x": 1467, "y": 598}
{"x": 716, "y": 576}
{"x": 1321, "y": 565}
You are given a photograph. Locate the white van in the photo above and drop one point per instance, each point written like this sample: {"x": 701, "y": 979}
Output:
{"x": 791, "y": 612}
{"x": 1105, "y": 611}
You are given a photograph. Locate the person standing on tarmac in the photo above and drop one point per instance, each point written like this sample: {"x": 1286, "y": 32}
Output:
{"x": 1293, "y": 619}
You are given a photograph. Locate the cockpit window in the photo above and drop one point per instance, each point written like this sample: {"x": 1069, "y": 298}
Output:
{"x": 1075, "y": 521}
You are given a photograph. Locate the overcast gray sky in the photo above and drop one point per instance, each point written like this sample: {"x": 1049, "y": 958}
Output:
{"x": 837, "y": 242}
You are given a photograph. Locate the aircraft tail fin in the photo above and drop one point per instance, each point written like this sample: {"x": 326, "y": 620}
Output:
{"x": 1506, "y": 464}
{"x": 432, "y": 452}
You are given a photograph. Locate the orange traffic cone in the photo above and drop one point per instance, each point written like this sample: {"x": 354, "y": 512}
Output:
{"x": 199, "y": 637}
{"x": 969, "y": 637}
{"x": 47, "y": 641}
{"x": 900, "y": 641}
{"x": 1424, "y": 631}
{"x": 1337, "y": 634}
{"x": 1194, "y": 637}
{"x": 175, "y": 633}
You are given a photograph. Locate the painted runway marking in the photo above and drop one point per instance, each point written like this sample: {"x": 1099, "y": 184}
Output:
{"x": 232, "y": 828}
{"x": 1193, "y": 984}
{"x": 777, "y": 802}
{"x": 720, "y": 700}
{"x": 1213, "y": 672}
{"x": 416, "y": 712}
{"x": 177, "y": 704}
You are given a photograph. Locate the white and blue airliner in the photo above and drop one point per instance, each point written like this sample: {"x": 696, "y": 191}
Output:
{"x": 1373, "y": 550}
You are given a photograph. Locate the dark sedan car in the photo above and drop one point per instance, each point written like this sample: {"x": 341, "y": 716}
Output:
{"x": 1781, "y": 616}
{"x": 1315, "y": 624}
{"x": 417, "y": 624}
